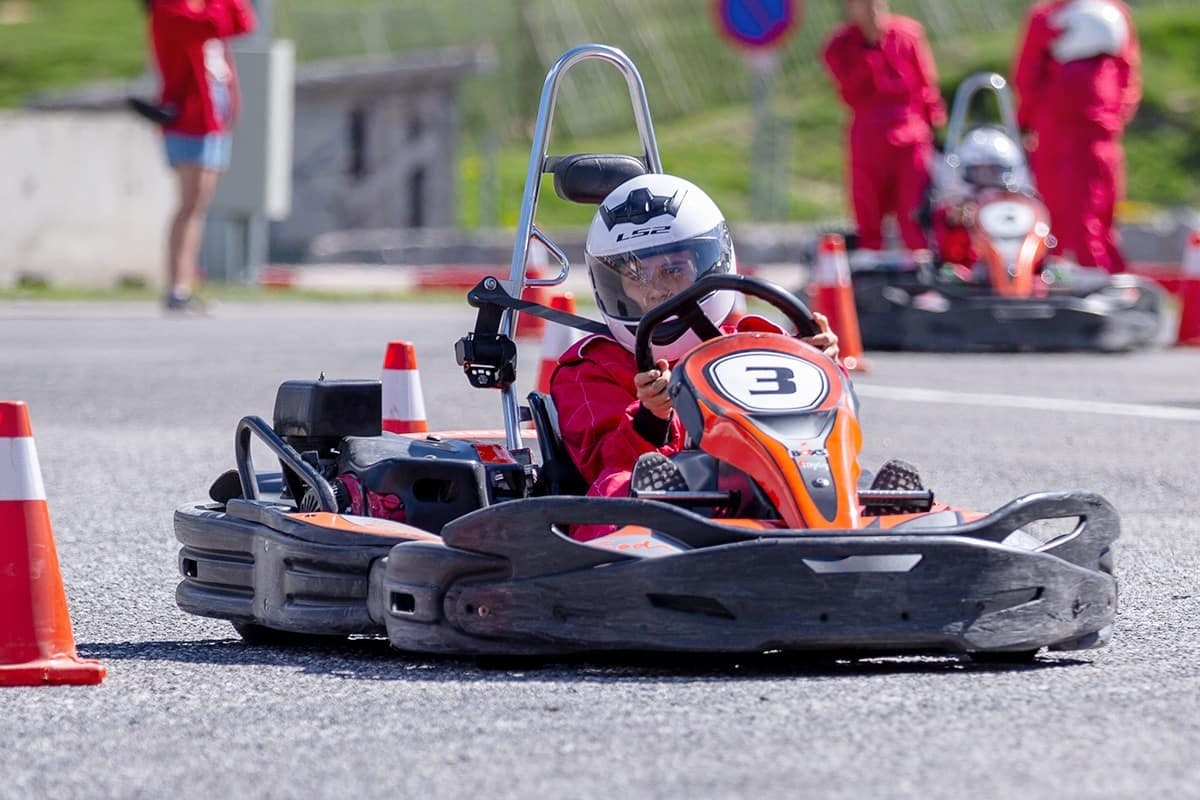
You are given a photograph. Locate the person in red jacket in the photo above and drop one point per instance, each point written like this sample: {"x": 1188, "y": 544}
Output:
{"x": 652, "y": 237}
{"x": 198, "y": 103}
{"x": 1078, "y": 79}
{"x": 883, "y": 70}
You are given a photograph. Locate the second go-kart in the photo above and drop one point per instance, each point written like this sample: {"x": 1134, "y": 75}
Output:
{"x": 450, "y": 544}
{"x": 991, "y": 284}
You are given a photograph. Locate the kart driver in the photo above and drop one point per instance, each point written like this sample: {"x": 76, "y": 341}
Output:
{"x": 1078, "y": 77}
{"x": 988, "y": 160}
{"x": 652, "y": 237}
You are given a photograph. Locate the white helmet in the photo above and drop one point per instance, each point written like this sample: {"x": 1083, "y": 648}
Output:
{"x": 651, "y": 238}
{"x": 988, "y": 157}
{"x": 1089, "y": 28}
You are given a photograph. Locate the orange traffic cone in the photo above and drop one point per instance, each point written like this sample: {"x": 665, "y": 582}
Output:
{"x": 536, "y": 260}
{"x": 1189, "y": 311}
{"x": 403, "y": 402}
{"x": 556, "y": 341}
{"x": 36, "y": 643}
{"x": 832, "y": 295}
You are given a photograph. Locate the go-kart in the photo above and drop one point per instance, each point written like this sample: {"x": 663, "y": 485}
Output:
{"x": 448, "y": 544}
{"x": 1007, "y": 295}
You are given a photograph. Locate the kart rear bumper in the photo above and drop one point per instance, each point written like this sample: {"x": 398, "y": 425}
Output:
{"x": 504, "y": 581}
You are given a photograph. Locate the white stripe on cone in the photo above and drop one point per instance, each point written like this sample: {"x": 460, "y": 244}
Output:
{"x": 833, "y": 267}
{"x": 402, "y": 397}
{"x": 20, "y": 473}
{"x": 556, "y": 339}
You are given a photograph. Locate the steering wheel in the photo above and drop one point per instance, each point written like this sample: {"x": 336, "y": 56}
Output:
{"x": 686, "y": 306}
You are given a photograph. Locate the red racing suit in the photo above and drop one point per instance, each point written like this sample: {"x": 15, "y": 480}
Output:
{"x": 187, "y": 37}
{"x": 1078, "y": 111}
{"x": 952, "y": 237}
{"x": 891, "y": 90}
{"x": 599, "y": 415}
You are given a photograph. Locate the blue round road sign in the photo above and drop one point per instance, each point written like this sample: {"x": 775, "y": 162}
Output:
{"x": 756, "y": 23}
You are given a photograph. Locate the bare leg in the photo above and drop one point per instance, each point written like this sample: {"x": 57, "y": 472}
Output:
{"x": 196, "y": 187}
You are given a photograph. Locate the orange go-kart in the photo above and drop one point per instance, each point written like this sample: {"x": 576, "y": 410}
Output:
{"x": 992, "y": 286}
{"x": 765, "y": 540}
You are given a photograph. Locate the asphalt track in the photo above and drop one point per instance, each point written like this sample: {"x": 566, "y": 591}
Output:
{"x": 133, "y": 415}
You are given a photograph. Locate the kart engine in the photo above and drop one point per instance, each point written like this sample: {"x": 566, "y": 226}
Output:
{"x": 314, "y": 417}
{"x": 335, "y": 426}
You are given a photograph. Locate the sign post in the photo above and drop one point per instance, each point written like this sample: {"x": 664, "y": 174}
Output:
{"x": 759, "y": 28}
{"x": 258, "y": 185}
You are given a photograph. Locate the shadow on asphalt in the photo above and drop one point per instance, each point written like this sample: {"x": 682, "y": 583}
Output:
{"x": 374, "y": 659}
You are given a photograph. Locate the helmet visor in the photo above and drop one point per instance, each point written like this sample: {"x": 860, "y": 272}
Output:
{"x": 630, "y": 283}
{"x": 997, "y": 176}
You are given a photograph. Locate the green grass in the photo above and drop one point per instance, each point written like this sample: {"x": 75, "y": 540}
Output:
{"x": 1163, "y": 143}
{"x": 66, "y": 42}
{"x": 712, "y": 149}
{"x": 51, "y": 44}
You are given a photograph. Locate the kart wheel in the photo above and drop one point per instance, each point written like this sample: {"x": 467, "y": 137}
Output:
{"x": 254, "y": 634}
{"x": 1005, "y": 657}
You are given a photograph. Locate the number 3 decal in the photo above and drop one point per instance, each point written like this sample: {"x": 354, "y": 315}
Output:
{"x": 782, "y": 378}
{"x": 763, "y": 380}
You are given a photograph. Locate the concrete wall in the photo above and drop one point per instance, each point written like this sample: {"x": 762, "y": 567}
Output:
{"x": 396, "y": 170}
{"x": 405, "y": 135}
{"x": 85, "y": 198}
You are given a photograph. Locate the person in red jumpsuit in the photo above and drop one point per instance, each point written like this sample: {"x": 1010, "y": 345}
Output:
{"x": 1078, "y": 78}
{"x": 883, "y": 69}
{"x": 652, "y": 237}
{"x": 196, "y": 107}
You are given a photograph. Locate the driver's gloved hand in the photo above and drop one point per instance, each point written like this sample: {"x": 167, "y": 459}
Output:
{"x": 651, "y": 387}
{"x": 826, "y": 341}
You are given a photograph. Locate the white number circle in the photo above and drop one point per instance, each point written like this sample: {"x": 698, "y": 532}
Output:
{"x": 766, "y": 381}
{"x": 1006, "y": 219}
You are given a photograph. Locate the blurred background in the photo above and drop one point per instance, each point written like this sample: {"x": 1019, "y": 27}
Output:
{"x": 485, "y": 62}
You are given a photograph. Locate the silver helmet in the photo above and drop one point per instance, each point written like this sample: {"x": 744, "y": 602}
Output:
{"x": 652, "y": 237}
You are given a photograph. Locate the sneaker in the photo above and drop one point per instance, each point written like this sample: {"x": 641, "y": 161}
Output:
{"x": 185, "y": 304}
{"x": 892, "y": 476}
{"x": 932, "y": 301}
{"x": 897, "y": 475}
{"x": 654, "y": 472}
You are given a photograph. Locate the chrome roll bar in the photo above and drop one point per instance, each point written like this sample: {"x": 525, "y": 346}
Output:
{"x": 526, "y": 229}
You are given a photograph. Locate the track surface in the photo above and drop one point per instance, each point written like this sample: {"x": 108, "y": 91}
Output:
{"x": 133, "y": 415}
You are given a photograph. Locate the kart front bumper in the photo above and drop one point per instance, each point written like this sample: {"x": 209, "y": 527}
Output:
{"x": 897, "y": 313}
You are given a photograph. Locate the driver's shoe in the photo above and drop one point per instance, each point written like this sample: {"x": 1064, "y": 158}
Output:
{"x": 896, "y": 475}
{"x": 654, "y": 472}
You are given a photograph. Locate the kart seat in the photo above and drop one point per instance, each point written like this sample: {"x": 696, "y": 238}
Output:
{"x": 559, "y": 473}
{"x": 588, "y": 177}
